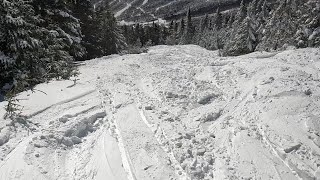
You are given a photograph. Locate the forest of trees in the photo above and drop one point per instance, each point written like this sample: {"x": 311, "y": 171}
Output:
{"x": 258, "y": 25}
{"x": 40, "y": 40}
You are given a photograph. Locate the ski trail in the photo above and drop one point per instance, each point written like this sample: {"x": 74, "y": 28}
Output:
{"x": 144, "y": 2}
{"x": 161, "y": 138}
{"x": 112, "y": 2}
{"x": 145, "y": 152}
{"x": 140, "y": 7}
{"x": 142, "y": 10}
{"x": 165, "y": 5}
{"x": 97, "y": 3}
{"x": 114, "y": 131}
{"x": 127, "y": 164}
{"x": 128, "y": 5}
{"x": 122, "y": 10}
{"x": 62, "y": 102}
{"x": 295, "y": 171}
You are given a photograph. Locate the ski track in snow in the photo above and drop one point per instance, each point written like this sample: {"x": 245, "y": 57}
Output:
{"x": 165, "y": 5}
{"x": 176, "y": 112}
{"x": 145, "y": 2}
{"x": 128, "y": 5}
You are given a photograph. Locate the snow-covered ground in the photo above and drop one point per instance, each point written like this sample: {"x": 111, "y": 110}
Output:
{"x": 165, "y": 5}
{"x": 176, "y": 112}
{"x": 128, "y": 5}
{"x": 159, "y": 21}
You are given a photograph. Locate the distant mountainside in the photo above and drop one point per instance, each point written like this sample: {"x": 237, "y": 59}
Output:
{"x": 148, "y": 10}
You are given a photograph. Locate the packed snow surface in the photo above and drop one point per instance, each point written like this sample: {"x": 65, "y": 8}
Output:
{"x": 176, "y": 112}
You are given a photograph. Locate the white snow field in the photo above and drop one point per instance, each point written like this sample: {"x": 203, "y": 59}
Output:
{"x": 176, "y": 112}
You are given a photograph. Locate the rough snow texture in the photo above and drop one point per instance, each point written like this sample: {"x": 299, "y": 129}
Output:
{"x": 177, "y": 112}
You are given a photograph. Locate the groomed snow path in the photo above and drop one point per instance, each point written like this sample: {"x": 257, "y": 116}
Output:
{"x": 176, "y": 112}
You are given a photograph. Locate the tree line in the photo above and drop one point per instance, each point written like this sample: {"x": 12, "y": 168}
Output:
{"x": 41, "y": 39}
{"x": 255, "y": 25}
{"x": 258, "y": 25}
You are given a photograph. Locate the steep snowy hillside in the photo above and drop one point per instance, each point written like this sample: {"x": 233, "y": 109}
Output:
{"x": 176, "y": 112}
{"x": 148, "y": 10}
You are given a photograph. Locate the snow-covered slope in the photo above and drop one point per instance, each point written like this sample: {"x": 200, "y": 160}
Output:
{"x": 149, "y": 10}
{"x": 176, "y": 112}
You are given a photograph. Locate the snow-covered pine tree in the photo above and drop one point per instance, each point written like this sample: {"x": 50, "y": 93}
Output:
{"x": 171, "y": 26}
{"x": 259, "y": 5}
{"x": 21, "y": 48}
{"x": 164, "y": 33}
{"x": 218, "y": 19}
{"x": 70, "y": 27}
{"x": 62, "y": 40}
{"x": 6, "y": 70}
{"x": 243, "y": 39}
{"x": 280, "y": 28}
{"x": 125, "y": 31}
{"x": 225, "y": 20}
{"x": 155, "y": 34}
{"x": 190, "y": 27}
{"x": 176, "y": 26}
{"x": 231, "y": 20}
{"x": 309, "y": 33}
{"x": 84, "y": 12}
{"x": 242, "y": 13}
{"x": 6, "y": 63}
{"x": 252, "y": 8}
{"x": 204, "y": 23}
{"x": 181, "y": 27}
{"x": 171, "y": 38}
{"x": 143, "y": 36}
{"x": 109, "y": 37}
{"x": 187, "y": 35}
{"x": 314, "y": 25}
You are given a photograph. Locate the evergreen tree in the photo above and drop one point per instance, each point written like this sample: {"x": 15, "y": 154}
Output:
{"x": 109, "y": 37}
{"x": 132, "y": 36}
{"x": 182, "y": 27}
{"x": 252, "y": 8}
{"x": 143, "y": 37}
{"x": 242, "y": 13}
{"x": 155, "y": 35}
{"x": 20, "y": 44}
{"x": 218, "y": 19}
{"x": 189, "y": 31}
{"x": 189, "y": 22}
{"x": 308, "y": 33}
{"x": 171, "y": 26}
{"x": 67, "y": 25}
{"x": 83, "y": 10}
{"x": 176, "y": 26}
{"x": 259, "y": 5}
{"x": 172, "y": 36}
{"x": 243, "y": 39}
{"x": 204, "y": 23}
{"x": 62, "y": 41}
{"x": 280, "y": 29}
{"x": 165, "y": 32}
{"x": 231, "y": 20}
